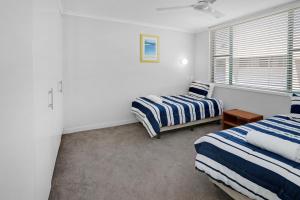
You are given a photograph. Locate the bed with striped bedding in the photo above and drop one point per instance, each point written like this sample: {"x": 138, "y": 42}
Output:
{"x": 174, "y": 110}
{"x": 227, "y": 158}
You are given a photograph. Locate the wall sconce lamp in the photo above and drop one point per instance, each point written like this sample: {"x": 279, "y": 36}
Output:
{"x": 184, "y": 61}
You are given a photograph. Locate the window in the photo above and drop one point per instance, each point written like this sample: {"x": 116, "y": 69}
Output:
{"x": 263, "y": 53}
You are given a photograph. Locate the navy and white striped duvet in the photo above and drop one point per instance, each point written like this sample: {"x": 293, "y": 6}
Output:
{"x": 174, "y": 110}
{"x": 295, "y": 107}
{"x": 259, "y": 174}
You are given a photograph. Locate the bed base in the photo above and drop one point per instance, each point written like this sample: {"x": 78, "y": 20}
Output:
{"x": 203, "y": 121}
{"x": 189, "y": 124}
{"x": 232, "y": 193}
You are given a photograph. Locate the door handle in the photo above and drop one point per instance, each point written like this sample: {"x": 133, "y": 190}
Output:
{"x": 50, "y": 99}
{"x": 60, "y": 86}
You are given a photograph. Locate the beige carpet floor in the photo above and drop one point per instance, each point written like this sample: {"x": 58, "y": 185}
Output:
{"x": 123, "y": 163}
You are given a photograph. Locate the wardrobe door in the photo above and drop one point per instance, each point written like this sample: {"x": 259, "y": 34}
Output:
{"x": 47, "y": 61}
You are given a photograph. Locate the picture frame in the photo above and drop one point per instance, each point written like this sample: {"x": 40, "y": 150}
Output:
{"x": 149, "y": 48}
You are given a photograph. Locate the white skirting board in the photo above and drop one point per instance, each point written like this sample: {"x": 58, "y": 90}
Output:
{"x": 123, "y": 122}
{"x": 232, "y": 193}
{"x": 98, "y": 126}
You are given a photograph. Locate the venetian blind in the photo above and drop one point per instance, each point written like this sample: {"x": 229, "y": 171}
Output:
{"x": 263, "y": 53}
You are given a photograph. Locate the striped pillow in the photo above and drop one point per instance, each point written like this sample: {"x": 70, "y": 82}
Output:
{"x": 198, "y": 89}
{"x": 295, "y": 107}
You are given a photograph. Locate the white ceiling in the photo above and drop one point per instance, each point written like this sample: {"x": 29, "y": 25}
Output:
{"x": 143, "y": 11}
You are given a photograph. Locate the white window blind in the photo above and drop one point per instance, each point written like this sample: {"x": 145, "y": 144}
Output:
{"x": 295, "y": 32}
{"x": 262, "y": 53}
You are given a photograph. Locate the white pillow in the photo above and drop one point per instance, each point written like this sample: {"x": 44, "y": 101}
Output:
{"x": 155, "y": 98}
{"x": 286, "y": 147}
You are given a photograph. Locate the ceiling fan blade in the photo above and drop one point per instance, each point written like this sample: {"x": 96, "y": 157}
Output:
{"x": 211, "y": 1}
{"x": 214, "y": 12}
{"x": 174, "y": 8}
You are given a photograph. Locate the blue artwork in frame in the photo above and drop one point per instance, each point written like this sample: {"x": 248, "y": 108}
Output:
{"x": 149, "y": 48}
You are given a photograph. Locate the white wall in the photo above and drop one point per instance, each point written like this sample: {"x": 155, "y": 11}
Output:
{"x": 16, "y": 102}
{"x": 103, "y": 73}
{"x": 258, "y": 102}
{"x": 202, "y": 57}
{"x": 47, "y": 62}
{"x": 262, "y": 103}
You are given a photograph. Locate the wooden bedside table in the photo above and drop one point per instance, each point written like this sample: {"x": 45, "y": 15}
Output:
{"x": 236, "y": 117}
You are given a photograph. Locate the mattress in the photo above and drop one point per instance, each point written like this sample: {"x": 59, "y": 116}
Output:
{"x": 226, "y": 157}
{"x": 174, "y": 110}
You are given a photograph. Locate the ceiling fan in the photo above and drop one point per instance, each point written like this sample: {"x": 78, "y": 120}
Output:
{"x": 203, "y": 6}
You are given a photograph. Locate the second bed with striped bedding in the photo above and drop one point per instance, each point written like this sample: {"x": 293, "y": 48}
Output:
{"x": 226, "y": 157}
{"x": 174, "y": 110}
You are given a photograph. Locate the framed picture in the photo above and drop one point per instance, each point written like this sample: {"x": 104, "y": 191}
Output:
{"x": 149, "y": 48}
